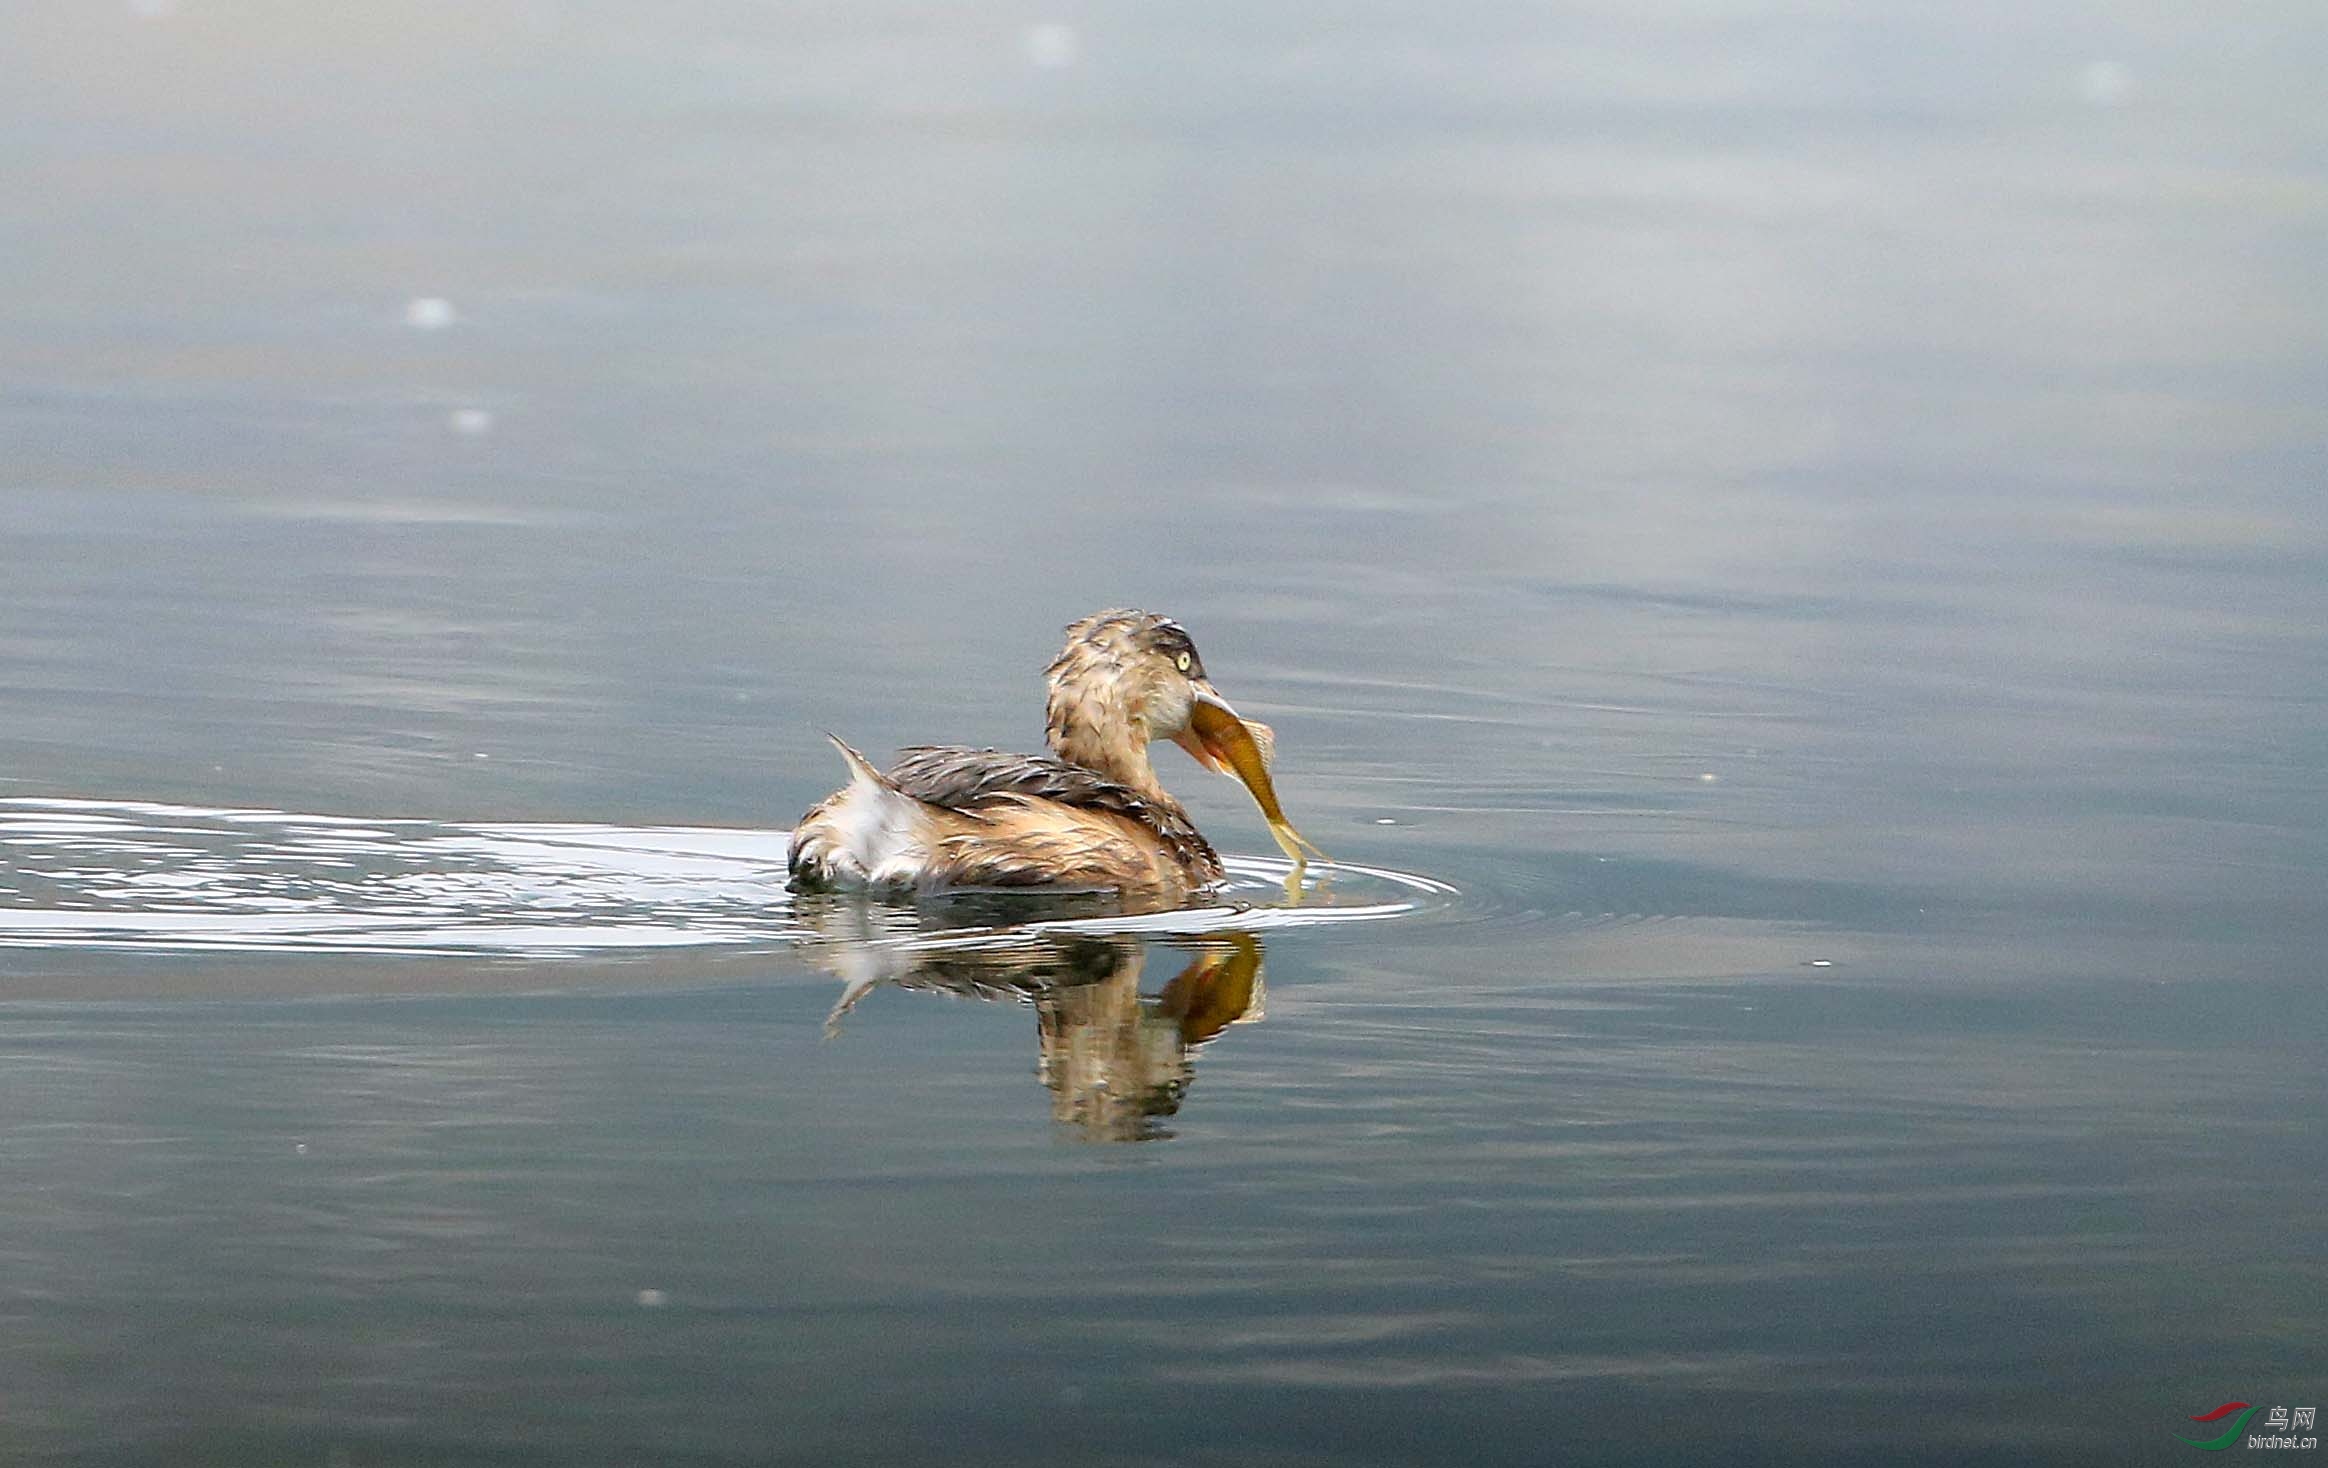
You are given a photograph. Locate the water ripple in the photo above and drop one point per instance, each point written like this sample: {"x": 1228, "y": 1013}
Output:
{"x": 132, "y": 875}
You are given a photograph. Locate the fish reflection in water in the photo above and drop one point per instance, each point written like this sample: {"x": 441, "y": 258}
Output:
{"x": 1117, "y": 1061}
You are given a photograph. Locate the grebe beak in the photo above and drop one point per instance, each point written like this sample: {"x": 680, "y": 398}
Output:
{"x": 1228, "y": 745}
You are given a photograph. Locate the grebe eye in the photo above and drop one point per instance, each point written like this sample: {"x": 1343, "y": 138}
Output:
{"x": 1182, "y": 661}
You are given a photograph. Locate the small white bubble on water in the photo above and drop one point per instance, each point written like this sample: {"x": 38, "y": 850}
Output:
{"x": 1384, "y": 821}
{"x": 1822, "y": 963}
{"x": 653, "y": 1299}
{"x": 300, "y": 1148}
{"x": 470, "y": 422}
{"x": 429, "y": 313}
{"x": 1708, "y": 778}
{"x": 1051, "y": 46}
{"x": 2104, "y": 83}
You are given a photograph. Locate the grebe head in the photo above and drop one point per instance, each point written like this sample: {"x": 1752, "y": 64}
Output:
{"x": 1128, "y": 677}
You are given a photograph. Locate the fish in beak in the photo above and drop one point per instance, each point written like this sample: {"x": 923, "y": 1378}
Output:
{"x": 1228, "y": 745}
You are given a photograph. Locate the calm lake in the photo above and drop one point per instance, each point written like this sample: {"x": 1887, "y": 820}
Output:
{"x": 1784, "y": 547}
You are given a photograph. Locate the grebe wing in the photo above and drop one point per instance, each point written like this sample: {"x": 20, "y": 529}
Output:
{"x": 976, "y": 781}
{"x": 959, "y": 778}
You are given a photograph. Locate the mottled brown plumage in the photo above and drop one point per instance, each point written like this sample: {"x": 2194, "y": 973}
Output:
{"x": 1009, "y": 791}
{"x": 1091, "y": 814}
{"x": 1111, "y": 685}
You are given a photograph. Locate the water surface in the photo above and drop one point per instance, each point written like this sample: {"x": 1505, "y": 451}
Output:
{"x": 1783, "y": 544}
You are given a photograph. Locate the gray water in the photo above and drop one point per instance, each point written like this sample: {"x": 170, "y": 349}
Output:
{"x": 1783, "y": 545}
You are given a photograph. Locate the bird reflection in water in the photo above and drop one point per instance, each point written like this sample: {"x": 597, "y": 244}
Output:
{"x": 1117, "y": 1061}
